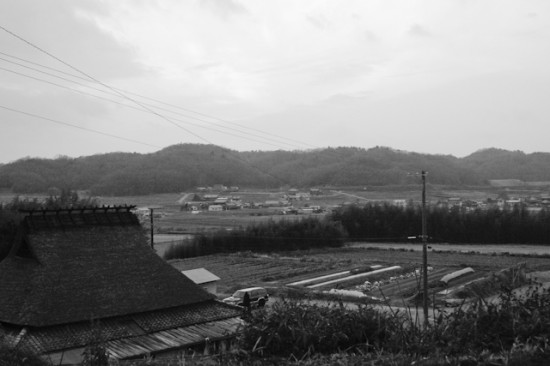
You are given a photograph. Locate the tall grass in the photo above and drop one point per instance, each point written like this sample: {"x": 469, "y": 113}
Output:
{"x": 512, "y": 325}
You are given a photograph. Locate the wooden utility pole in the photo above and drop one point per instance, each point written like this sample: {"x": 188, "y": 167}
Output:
{"x": 152, "y": 229}
{"x": 424, "y": 251}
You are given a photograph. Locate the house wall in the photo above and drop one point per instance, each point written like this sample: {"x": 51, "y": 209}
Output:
{"x": 211, "y": 287}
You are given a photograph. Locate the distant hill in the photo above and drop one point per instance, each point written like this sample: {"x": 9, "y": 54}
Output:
{"x": 185, "y": 166}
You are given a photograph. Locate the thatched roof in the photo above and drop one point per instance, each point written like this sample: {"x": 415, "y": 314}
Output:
{"x": 76, "y": 265}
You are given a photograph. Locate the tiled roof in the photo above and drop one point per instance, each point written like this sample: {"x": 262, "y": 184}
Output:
{"x": 120, "y": 329}
{"x": 73, "y": 266}
{"x": 154, "y": 343}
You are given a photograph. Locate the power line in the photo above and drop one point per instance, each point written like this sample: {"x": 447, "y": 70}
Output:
{"x": 76, "y": 126}
{"x": 101, "y": 83}
{"x": 119, "y": 103}
{"x": 162, "y": 102}
{"x": 129, "y": 106}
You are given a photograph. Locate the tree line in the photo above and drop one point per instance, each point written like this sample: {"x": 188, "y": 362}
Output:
{"x": 385, "y": 222}
{"x": 270, "y": 236}
{"x": 378, "y": 222}
{"x": 183, "y": 167}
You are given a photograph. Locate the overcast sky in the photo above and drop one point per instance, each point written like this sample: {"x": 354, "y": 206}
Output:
{"x": 440, "y": 77}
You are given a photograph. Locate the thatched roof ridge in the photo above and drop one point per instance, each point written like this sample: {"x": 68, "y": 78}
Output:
{"x": 75, "y": 265}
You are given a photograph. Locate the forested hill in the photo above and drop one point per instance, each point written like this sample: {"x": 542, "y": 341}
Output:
{"x": 182, "y": 167}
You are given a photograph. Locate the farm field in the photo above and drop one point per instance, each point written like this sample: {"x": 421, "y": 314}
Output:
{"x": 276, "y": 271}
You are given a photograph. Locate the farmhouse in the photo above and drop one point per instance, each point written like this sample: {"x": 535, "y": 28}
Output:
{"x": 77, "y": 275}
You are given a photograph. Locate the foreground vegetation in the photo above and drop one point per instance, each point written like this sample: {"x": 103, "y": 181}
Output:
{"x": 514, "y": 329}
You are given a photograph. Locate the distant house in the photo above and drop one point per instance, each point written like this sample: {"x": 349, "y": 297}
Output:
{"x": 454, "y": 201}
{"x": 219, "y": 187}
{"x": 272, "y": 203}
{"x": 400, "y": 203}
{"x": 513, "y": 201}
{"x": 75, "y": 275}
{"x": 221, "y": 200}
{"x": 204, "y": 278}
{"x": 210, "y": 197}
{"x": 215, "y": 208}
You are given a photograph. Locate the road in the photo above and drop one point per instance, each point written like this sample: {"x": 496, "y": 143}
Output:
{"x": 464, "y": 248}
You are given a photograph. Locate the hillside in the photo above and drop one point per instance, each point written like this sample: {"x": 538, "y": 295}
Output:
{"x": 182, "y": 167}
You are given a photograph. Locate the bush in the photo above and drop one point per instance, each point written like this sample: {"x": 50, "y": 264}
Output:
{"x": 292, "y": 328}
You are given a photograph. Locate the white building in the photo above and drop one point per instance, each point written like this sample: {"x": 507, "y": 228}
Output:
{"x": 204, "y": 278}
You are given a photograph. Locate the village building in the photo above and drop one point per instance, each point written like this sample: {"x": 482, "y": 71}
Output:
{"x": 79, "y": 276}
{"x": 215, "y": 208}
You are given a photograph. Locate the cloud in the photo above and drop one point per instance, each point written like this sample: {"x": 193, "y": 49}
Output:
{"x": 319, "y": 22}
{"x": 370, "y": 36}
{"x": 416, "y": 30}
{"x": 225, "y": 8}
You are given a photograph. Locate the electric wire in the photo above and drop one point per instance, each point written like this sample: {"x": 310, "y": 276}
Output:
{"x": 101, "y": 83}
{"x": 124, "y": 104}
{"x": 164, "y": 103}
{"x": 77, "y": 127}
{"x": 140, "y": 109}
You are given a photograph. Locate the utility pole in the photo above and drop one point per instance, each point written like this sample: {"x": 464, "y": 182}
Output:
{"x": 151, "y": 216}
{"x": 424, "y": 251}
{"x": 152, "y": 229}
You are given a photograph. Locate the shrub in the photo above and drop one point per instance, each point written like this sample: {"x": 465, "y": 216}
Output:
{"x": 300, "y": 329}
{"x": 480, "y": 326}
